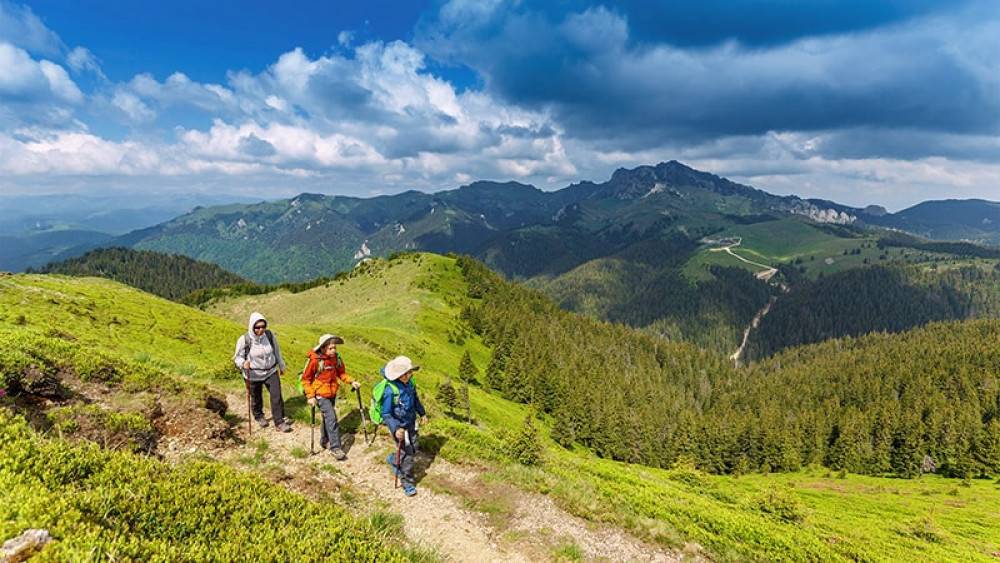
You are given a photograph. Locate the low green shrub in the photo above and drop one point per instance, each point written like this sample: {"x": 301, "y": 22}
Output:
{"x": 115, "y": 505}
{"x": 109, "y": 428}
{"x": 780, "y": 505}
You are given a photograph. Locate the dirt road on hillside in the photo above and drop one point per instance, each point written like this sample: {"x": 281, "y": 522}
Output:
{"x": 765, "y": 275}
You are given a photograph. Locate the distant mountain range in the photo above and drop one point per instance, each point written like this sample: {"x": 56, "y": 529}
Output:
{"x": 37, "y": 229}
{"x": 973, "y": 220}
{"x": 31, "y": 250}
{"x": 686, "y": 254}
{"x": 516, "y": 228}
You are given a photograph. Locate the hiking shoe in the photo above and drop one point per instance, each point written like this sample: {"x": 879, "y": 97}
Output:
{"x": 338, "y": 454}
{"x": 283, "y": 427}
{"x": 262, "y": 422}
{"x": 409, "y": 490}
{"x": 392, "y": 463}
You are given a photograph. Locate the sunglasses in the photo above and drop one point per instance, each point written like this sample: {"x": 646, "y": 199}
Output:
{"x": 260, "y": 327}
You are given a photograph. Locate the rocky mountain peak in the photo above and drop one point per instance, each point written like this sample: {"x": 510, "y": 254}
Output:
{"x": 642, "y": 181}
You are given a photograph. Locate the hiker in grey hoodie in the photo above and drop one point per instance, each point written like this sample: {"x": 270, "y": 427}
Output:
{"x": 259, "y": 358}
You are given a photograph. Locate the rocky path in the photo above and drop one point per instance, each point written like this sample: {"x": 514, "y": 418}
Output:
{"x": 737, "y": 356}
{"x": 529, "y": 528}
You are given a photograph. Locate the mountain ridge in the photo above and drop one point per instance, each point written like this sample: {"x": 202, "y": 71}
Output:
{"x": 475, "y": 218}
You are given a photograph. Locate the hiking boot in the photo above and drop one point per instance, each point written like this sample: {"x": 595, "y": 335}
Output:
{"x": 409, "y": 490}
{"x": 338, "y": 454}
{"x": 283, "y": 427}
{"x": 262, "y": 422}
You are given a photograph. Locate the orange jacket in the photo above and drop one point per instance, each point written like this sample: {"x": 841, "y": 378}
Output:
{"x": 324, "y": 382}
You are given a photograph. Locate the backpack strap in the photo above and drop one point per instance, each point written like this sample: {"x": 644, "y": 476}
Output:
{"x": 395, "y": 392}
{"x": 247, "y": 343}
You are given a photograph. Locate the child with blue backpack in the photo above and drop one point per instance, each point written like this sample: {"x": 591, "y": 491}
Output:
{"x": 399, "y": 405}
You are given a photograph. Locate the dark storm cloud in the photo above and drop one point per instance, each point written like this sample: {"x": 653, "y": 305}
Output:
{"x": 751, "y": 22}
{"x": 604, "y": 75}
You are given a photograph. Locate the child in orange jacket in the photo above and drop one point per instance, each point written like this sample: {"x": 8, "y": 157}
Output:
{"x": 320, "y": 380}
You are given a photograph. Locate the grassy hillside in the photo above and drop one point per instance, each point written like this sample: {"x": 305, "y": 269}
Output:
{"x": 111, "y": 316}
{"x": 413, "y": 305}
{"x": 75, "y": 472}
{"x": 167, "y": 275}
{"x": 409, "y": 307}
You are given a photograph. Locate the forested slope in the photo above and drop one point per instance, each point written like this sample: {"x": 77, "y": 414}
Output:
{"x": 875, "y": 299}
{"x": 860, "y": 405}
{"x": 168, "y": 275}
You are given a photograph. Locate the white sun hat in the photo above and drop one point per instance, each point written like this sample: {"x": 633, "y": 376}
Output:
{"x": 398, "y": 367}
{"x": 323, "y": 339}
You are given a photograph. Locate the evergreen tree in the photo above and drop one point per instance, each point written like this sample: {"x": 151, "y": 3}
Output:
{"x": 988, "y": 448}
{"x": 463, "y": 400}
{"x": 446, "y": 395}
{"x": 905, "y": 457}
{"x": 497, "y": 366}
{"x": 467, "y": 371}
{"x": 170, "y": 276}
{"x": 524, "y": 446}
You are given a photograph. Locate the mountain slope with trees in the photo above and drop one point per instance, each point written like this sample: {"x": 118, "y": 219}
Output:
{"x": 875, "y": 299}
{"x": 662, "y": 402}
{"x": 167, "y": 275}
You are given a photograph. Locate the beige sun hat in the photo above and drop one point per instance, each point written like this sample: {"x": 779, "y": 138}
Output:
{"x": 398, "y": 367}
{"x": 326, "y": 337}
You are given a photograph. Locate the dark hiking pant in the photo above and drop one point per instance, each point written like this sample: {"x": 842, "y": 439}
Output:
{"x": 257, "y": 398}
{"x": 409, "y": 455}
{"x": 330, "y": 437}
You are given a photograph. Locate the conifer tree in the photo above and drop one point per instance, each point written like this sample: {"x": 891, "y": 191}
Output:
{"x": 463, "y": 401}
{"x": 467, "y": 371}
{"x": 562, "y": 431}
{"x": 988, "y": 448}
{"x": 524, "y": 446}
{"x": 497, "y": 366}
{"x": 446, "y": 395}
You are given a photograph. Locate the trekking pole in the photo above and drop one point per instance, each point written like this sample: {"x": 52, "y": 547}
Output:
{"x": 312, "y": 433}
{"x": 399, "y": 462}
{"x": 246, "y": 381}
{"x": 361, "y": 409}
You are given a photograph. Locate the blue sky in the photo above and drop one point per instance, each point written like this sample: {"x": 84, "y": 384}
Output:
{"x": 878, "y": 101}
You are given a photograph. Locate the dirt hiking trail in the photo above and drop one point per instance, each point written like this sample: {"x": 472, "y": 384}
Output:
{"x": 442, "y": 516}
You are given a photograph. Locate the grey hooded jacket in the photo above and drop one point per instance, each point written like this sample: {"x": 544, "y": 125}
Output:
{"x": 264, "y": 360}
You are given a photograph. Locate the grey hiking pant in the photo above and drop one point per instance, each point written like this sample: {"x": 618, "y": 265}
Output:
{"x": 330, "y": 437}
{"x": 409, "y": 455}
{"x": 273, "y": 384}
